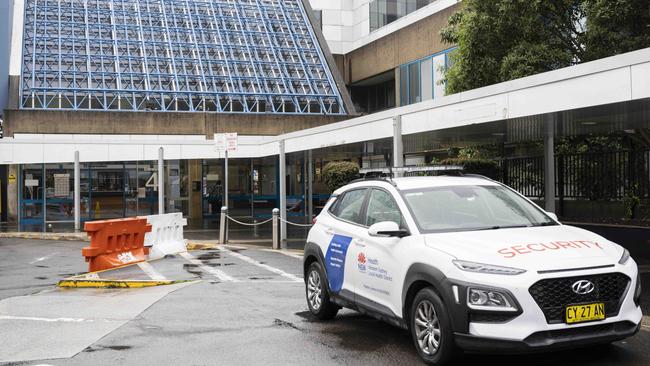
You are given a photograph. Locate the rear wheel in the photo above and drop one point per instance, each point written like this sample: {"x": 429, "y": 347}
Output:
{"x": 318, "y": 298}
{"x": 431, "y": 329}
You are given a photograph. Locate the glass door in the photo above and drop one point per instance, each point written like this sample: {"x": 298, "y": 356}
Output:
{"x": 32, "y": 197}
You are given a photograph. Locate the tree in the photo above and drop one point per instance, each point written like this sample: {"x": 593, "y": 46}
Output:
{"x": 501, "y": 40}
{"x": 616, "y": 26}
{"x": 339, "y": 173}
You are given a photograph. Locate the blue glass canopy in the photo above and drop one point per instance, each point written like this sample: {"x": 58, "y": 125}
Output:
{"x": 245, "y": 56}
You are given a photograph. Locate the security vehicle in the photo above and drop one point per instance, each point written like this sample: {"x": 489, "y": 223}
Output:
{"x": 467, "y": 263}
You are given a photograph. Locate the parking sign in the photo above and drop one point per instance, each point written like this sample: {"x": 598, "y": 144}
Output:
{"x": 225, "y": 141}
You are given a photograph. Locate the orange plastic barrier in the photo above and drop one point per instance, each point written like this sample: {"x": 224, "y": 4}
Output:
{"x": 115, "y": 243}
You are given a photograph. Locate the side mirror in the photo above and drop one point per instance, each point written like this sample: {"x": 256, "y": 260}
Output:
{"x": 387, "y": 229}
{"x": 552, "y": 215}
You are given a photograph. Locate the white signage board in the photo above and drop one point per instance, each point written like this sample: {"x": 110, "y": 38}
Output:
{"x": 225, "y": 141}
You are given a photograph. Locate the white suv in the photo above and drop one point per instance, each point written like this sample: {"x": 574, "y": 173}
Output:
{"x": 467, "y": 263}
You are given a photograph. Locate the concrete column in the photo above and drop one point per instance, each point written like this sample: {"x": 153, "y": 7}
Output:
{"x": 398, "y": 146}
{"x": 13, "y": 209}
{"x": 16, "y": 24}
{"x": 77, "y": 193}
{"x": 282, "y": 169}
{"x": 549, "y": 163}
{"x": 161, "y": 181}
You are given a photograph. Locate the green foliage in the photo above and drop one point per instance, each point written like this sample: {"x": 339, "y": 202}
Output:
{"x": 616, "y": 26}
{"x": 339, "y": 173}
{"x": 631, "y": 202}
{"x": 488, "y": 168}
{"x": 501, "y": 40}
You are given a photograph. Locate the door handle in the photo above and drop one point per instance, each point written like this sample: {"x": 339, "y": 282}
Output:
{"x": 329, "y": 231}
{"x": 360, "y": 243}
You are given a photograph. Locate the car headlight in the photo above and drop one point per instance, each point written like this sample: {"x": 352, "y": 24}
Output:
{"x": 625, "y": 257}
{"x": 489, "y": 299}
{"x": 487, "y": 268}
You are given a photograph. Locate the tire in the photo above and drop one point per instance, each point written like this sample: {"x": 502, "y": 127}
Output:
{"x": 318, "y": 298}
{"x": 428, "y": 306}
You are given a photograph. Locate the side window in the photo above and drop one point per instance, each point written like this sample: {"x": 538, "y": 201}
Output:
{"x": 349, "y": 206}
{"x": 382, "y": 207}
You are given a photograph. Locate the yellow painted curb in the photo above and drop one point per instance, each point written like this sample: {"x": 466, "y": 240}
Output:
{"x": 83, "y": 283}
{"x": 199, "y": 246}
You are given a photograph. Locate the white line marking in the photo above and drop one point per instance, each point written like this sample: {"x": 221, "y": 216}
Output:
{"x": 260, "y": 264}
{"x": 213, "y": 271}
{"x": 147, "y": 268}
{"x": 43, "y": 258}
{"x": 285, "y": 252}
{"x": 50, "y": 320}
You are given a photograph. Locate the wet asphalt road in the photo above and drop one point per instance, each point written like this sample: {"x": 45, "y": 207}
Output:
{"x": 261, "y": 318}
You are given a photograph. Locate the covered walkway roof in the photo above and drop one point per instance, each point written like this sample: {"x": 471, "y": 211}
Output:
{"x": 614, "y": 91}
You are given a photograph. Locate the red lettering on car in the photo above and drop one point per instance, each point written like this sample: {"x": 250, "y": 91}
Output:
{"x": 506, "y": 253}
{"x": 530, "y": 246}
{"x": 520, "y": 249}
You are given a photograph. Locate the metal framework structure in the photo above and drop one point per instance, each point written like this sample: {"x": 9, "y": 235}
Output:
{"x": 246, "y": 56}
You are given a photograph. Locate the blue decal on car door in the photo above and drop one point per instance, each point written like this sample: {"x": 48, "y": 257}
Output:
{"x": 335, "y": 261}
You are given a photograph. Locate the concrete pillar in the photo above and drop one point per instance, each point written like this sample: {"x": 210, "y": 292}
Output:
{"x": 161, "y": 181}
{"x": 15, "y": 53}
{"x": 13, "y": 188}
{"x": 398, "y": 146}
{"x": 549, "y": 163}
{"x": 282, "y": 169}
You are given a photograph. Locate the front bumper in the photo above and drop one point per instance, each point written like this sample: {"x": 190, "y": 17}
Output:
{"x": 528, "y": 330}
{"x": 553, "y": 340}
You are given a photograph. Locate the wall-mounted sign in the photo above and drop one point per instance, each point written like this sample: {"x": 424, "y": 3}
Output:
{"x": 31, "y": 182}
{"x": 61, "y": 185}
{"x": 12, "y": 178}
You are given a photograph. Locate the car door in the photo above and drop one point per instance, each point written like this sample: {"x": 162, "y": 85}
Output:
{"x": 376, "y": 277}
{"x": 342, "y": 227}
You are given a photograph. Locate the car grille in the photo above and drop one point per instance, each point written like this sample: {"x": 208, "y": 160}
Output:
{"x": 555, "y": 294}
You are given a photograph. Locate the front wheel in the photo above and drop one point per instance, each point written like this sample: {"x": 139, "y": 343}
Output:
{"x": 431, "y": 329}
{"x": 318, "y": 298}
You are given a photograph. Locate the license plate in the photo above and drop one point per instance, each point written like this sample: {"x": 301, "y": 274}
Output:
{"x": 585, "y": 313}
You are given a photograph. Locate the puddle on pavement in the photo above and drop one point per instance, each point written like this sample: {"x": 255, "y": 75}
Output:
{"x": 260, "y": 278}
{"x": 40, "y": 278}
{"x": 219, "y": 264}
{"x": 209, "y": 256}
{"x": 193, "y": 269}
{"x": 285, "y": 324}
{"x": 41, "y": 266}
{"x": 101, "y": 348}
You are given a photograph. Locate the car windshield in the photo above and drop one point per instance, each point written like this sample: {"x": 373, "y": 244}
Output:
{"x": 470, "y": 207}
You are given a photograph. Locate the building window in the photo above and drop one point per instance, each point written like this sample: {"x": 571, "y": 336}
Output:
{"x": 383, "y": 12}
{"x": 420, "y": 80}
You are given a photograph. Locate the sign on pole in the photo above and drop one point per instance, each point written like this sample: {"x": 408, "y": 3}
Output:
{"x": 226, "y": 141}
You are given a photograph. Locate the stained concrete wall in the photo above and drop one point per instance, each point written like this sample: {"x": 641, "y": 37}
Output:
{"x": 410, "y": 43}
{"x": 158, "y": 123}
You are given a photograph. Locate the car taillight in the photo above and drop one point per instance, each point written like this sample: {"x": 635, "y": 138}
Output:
{"x": 313, "y": 221}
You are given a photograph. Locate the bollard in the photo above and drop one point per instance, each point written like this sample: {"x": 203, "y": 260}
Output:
{"x": 223, "y": 237}
{"x": 276, "y": 241}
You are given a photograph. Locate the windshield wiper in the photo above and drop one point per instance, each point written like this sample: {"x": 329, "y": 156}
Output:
{"x": 548, "y": 223}
{"x": 496, "y": 227}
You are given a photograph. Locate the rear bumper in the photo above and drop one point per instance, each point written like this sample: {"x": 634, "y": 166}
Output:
{"x": 553, "y": 340}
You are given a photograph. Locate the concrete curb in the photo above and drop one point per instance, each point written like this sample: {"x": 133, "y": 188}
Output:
{"x": 46, "y": 236}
